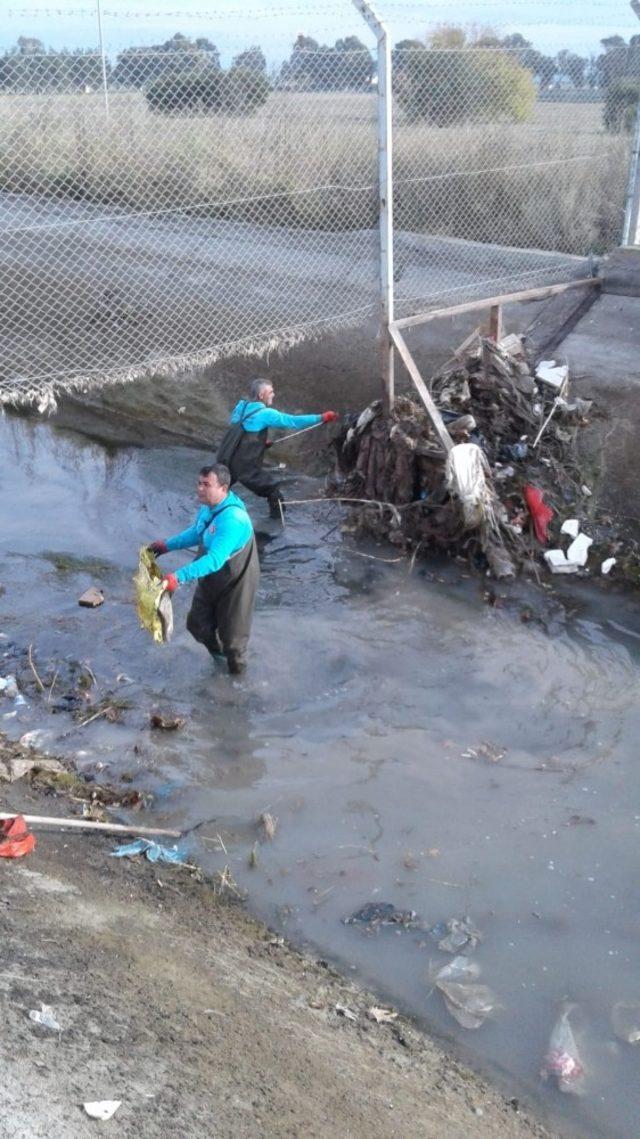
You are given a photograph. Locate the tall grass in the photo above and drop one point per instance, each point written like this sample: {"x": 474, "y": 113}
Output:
{"x": 556, "y": 182}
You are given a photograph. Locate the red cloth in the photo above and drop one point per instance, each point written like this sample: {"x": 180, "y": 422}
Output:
{"x": 539, "y": 511}
{"x": 16, "y": 840}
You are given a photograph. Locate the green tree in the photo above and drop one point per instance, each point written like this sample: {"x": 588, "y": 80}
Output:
{"x": 572, "y": 66}
{"x": 137, "y": 66}
{"x": 446, "y": 86}
{"x": 621, "y": 104}
{"x": 244, "y": 90}
{"x": 347, "y": 66}
{"x": 236, "y": 91}
{"x": 252, "y": 59}
{"x": 29, "y": 67}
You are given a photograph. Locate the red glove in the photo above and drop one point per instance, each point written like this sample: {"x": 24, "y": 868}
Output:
{"x": 329, "y": 416}
{"x": 158, "y": 548}
{"x": 170, "y": 582}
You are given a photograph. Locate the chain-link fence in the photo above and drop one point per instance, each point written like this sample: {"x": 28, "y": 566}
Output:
{"x": 162, "y": 207}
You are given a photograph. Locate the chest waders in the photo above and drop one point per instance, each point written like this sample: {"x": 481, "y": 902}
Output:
{"x": 222, "y": 607}
{"x": 242, "y": 452}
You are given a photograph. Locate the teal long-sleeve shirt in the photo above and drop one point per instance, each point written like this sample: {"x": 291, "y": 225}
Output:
{"x": 255, "y": 417}
{"x": 222, "y": 530}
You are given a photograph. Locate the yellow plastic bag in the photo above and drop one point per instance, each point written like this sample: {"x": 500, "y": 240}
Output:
{"x": 153, "y": 604}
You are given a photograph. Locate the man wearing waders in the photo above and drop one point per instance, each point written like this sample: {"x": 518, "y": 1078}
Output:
{"x": 226, "y": 568}
{"x": 243, "y": 446}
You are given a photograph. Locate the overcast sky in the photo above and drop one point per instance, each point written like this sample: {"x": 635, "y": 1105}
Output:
{"x": 549, "y": 24}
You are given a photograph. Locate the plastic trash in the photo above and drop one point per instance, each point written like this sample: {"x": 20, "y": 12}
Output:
{"x": 579, "y": 550}
{"x": 381, "y": 913}
{"x": 570, "y": 526}
{"x": 459, "y": 969}
{"x": 102, "y": 1109}
{"x": 17, "y": 766}
{"x": 555, "y": 375}
{"x": 539, "y": 511}
{"x": 45, "y": 1017}
{"x": 382, "y": 1015}
{"x": 455, "y": 934}
{"x": 37, "y": 738}
{"x": 469, "y": 1004}
{"x": 153, "y": 604}
{"x": 608, "y": 565}
{"x": 15, "y": 839}
{"x": 9, "y": 686}
{"x": 468, "y": 477}
{"x": 625, "y": 1021}
{"x": 562, "y": 1061}
{"x": 347, "y": 1013}
{"x": 514, "y": 451}
{"x": 152, "y": 851}
{"x": 558, "y": 563}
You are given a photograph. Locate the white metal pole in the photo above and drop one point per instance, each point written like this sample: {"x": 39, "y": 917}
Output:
{"x": 631, "y": 231}
{"x": 103, "y": 57}
{"x": 385, "y": 190}
{"x": 630, "y": 235}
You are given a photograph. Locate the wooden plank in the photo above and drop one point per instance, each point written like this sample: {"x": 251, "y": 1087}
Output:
{"x": 555, "y": 320}
{"x": 495, "y": 323}
{"x": 489, "y": 302}
{"x": 422, "y": 389}
{"x": 92, "y": 825}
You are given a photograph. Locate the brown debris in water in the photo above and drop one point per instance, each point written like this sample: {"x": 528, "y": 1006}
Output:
{"x": 488, "y": 397}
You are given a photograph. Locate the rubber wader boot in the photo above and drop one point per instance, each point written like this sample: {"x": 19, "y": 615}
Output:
{"x": 276, "y": 505}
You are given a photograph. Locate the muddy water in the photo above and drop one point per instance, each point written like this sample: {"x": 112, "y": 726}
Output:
{"x": 417, "y": 744}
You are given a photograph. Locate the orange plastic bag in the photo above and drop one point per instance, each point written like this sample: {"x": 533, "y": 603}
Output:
{"x": 16, "y": 840}
{"x": 539, "y": 511}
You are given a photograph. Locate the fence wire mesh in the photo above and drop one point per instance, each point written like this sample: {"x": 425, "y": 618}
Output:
{"x": 161, "y": 209}
{"x": 511, "y": 185}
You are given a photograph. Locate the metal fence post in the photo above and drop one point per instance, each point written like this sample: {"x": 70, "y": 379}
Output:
{"x": 103, "y": 58}
{"x": 631, "y": 230}
{"x": 385, "y": 192}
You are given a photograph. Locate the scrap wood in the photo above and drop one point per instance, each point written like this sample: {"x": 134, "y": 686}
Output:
{"x": 33, "y": 669}
{"x": 489, "y": 398}
{"x": 90, "y": 824}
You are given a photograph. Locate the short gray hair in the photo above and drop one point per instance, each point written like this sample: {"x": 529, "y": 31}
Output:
{"x": 258, "y": 385}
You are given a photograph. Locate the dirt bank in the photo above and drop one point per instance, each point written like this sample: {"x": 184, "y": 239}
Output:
{"x": 196, "y": 1017}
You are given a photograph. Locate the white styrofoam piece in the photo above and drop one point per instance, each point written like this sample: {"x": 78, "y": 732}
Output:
{"x": 608, "y": 565}
{"x": 548, "y": 372}
{"x": 579, "y": 550}
{"x": 570, "y": 526}
{"x": 557, "y": 562}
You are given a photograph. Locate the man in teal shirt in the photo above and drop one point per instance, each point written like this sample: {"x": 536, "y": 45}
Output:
{"x": 243, "y": 446}
{"x": 226, "y": 568}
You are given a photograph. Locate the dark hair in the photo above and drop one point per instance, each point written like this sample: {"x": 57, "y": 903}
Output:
{"x": 222, "y": 473}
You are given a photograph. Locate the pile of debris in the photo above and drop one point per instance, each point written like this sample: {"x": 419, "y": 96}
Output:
{"x": 492, "y": 495}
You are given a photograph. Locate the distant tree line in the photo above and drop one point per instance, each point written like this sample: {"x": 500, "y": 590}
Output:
{"x": 432, "y": 80}
{"x": 30, "y": 67}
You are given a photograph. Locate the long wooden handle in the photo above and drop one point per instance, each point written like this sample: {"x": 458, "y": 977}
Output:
{"x": 92, "y": 824}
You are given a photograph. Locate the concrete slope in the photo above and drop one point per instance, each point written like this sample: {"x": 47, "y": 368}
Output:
{"x": 603, "y": 353}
